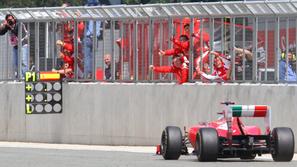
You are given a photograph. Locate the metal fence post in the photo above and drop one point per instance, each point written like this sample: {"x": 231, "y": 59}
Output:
{"x": 135, "y": 45}
{"x": 151, "y": 44}
{"x": 266, "y": 48}
{"x": 191, "y": 52}
{"x": 122, "y": 49}
{"x": 232, "y": 45}
{"x": 103, "y": 49}
{"x": 94, "y": 49}
{"x": 75, "y": 50}
{"x": 287, "y": 48}
{"x": 277, "y": 51}
{"x": 37, "y": 62}
{"x": 243, "y": 47}
{"x": 161, "y": 44}
{"x": 20, "y": 51}
{"x": 255, "y": 49}
{"x": 112, "y": 27}
{"x": 142, "y": 53}
{"x": 201, "y": 45}
{"x": 211, "y": 43}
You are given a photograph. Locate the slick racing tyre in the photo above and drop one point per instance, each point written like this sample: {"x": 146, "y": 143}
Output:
{"x": 283, "y": 144}
{"x": 207, "y": 144}
{"x": 171, "y": 143}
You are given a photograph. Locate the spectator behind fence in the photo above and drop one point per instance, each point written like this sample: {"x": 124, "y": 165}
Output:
{"x": 179, "y": 67}
{"x": 244, "y": 63}
{"x": 201, "y": 53}
{"x": 66, "y": 53}
{"x": 68, "y": 37}
{"x": 88, "y": 41}
{"x": 221, "y": 71}
{"x": 181, "y": 45}
{"x": 107, "y": 70}
{"x": 291, "y": 76}
{"x": 11, "y": 24}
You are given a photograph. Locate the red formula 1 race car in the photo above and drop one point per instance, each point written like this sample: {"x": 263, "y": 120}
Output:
{"x": 227, "y": 137}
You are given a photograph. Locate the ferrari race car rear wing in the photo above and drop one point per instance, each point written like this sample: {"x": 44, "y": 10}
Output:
{"x": 250, "y": 111}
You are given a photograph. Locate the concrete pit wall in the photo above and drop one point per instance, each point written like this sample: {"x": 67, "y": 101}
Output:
{"x": 133, "y": 114}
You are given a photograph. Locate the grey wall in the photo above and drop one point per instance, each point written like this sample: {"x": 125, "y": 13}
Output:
{"x": 133, "y": 114}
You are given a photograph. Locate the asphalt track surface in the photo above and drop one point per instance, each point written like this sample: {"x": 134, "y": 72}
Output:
{"x": 46, "y": 155}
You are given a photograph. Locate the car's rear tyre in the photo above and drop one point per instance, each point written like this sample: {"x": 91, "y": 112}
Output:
{"x": 283, "y": 144}
{"x": 171, "y": 143}
{"x": 207, "y": 144}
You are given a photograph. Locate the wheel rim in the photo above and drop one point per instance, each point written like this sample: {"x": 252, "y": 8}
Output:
{"x": 198, "y": 145}
{"x": 274, "y": 145}
{"x": 164, "y": 142}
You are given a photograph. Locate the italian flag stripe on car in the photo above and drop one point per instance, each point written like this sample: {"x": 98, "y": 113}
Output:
{"x": 261, "y": 111}
{"x": 237, "y": 110}
{"x": 249, "y": 110}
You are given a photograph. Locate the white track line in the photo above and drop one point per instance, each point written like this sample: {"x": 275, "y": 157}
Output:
{"x": 139, "y": 149}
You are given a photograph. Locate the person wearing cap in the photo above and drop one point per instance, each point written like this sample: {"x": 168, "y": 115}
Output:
{"x": 88, "y": 41}
{"x": 66, "y": 53}
{"x": 68, "y": 36}
{"x": 11, "y": 25}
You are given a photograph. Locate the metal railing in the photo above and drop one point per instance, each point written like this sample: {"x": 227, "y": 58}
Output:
{"x": 133, "y": 35}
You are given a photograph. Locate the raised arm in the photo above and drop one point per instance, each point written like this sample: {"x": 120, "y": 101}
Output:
{"x": 248, "y": 54}
{"x": 3, "y": 28}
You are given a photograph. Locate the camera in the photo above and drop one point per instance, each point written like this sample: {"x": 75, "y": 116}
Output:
{"x": 10, "y": 22}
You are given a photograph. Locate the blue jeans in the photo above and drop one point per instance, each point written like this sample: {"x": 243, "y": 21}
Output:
{"x": 25, "y": 60}
{"x": 88, "y": 56}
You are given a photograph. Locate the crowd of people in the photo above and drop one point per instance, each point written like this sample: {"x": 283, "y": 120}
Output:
{"x": 66, "y": 44}
{"x": 222, "y": 66}
{"x": 180, "y": 60}
{"x": 85, "y": 45}
{"x": 208, "y": 65}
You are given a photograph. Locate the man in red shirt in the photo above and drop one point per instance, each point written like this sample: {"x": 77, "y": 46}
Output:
{"x": 68, "y": 36}
{"x": 221, "y": 72}
{"x": 66, "y": 54}
{"x": 179, "y": 46}
{"x": 179, "y": 68}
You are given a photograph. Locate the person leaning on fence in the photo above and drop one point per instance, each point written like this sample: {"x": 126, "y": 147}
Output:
{"x": 221, "y": 72}
{"x": 88, "y": 41}
{"x": 11, "y": 25}
{"x": 68, "y": 36}
{"x": 181, "y": 45}
{"x": 179, "y": 67}
{"x": 180, "y": 49}
{"x": 201, "y": 53}
{"x": 68, "y": 60}
{"x": 291, "y": 75}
